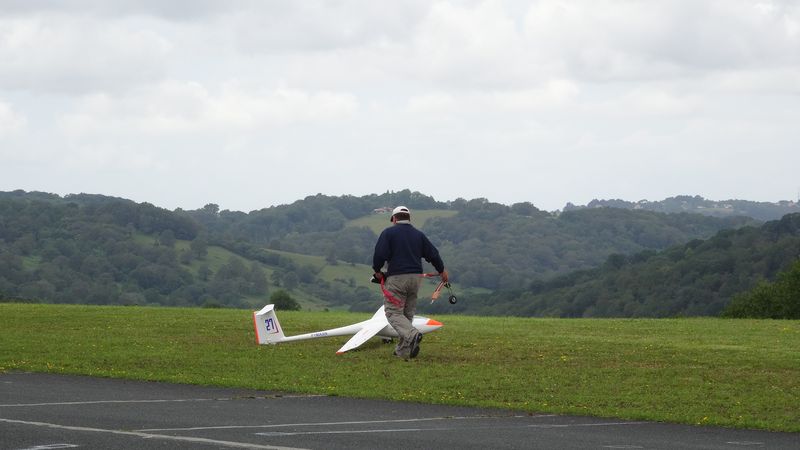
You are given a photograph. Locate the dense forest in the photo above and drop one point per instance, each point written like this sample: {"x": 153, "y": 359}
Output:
{"x": 779, "y": 299}
{"x": 101, "y": 250}
{"x": 698, "y": 278}
{"x": 486, "y": 245}
{"x": 105, "y": 250}
{"x": 498, "y": 247}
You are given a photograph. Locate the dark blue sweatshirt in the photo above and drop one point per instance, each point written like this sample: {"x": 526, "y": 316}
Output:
{"x": 403, "y": 246}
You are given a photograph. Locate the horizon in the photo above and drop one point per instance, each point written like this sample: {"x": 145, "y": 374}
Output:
{"x": 221, "y": 208}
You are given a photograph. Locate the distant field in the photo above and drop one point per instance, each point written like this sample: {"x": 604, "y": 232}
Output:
{"x": 341, "y": 272}
{"x": 216, "y": 257}
{"x": 361, "y": 273}
{"x": 377, "y": 222}
{"x": 740, "y": 373}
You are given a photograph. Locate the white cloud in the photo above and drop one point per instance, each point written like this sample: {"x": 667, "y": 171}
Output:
{"x": 470, "y": 45}
{"x": 320, "y": 25}
{"x": 118, "y": 158}
{"x": 653, "y": 100}
{"x": 174, "y": 107}
{"x": 611, "y": 40}
{"x": 173, "y": 9}
{"x": 75, "y": 54}
{"x": 780, "y": 81}
{"x": 554, "y": 94}
{"x": 11, "y": 122}
{"x": 432, "y": 103}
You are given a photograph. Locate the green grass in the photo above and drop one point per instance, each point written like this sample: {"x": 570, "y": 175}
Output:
{"x": 740, "y": 373}
{"x": 377, "y": 222}
{"x": 31, "y": 262}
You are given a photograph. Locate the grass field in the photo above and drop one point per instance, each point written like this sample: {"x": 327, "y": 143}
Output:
{"x": 741, "y": 373}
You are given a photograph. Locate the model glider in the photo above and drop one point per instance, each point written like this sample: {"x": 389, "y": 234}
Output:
{"x": 269, "y": 331}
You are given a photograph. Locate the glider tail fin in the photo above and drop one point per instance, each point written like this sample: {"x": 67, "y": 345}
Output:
{"x": 268, "y": 329}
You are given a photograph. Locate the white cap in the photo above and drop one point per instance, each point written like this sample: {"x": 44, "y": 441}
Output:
{"x": 400, "y": 210}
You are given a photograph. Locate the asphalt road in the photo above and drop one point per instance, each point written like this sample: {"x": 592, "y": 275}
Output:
{"x": 41, "y": 411}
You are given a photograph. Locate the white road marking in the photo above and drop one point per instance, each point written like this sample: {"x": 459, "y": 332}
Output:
{"x": 177, "y": 400}
{"x": 404, "y": 430}
{"x": 100, "y": 402}
{"x": 297, "y": 433}
{"x": 323, "y": 424}
{"x": 745, "y": 443}
{"x": 148, "y": 435}
{"x": 50, "y": 446}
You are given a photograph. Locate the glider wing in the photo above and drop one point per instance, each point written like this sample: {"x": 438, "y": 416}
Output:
{"x": 371, "y": 328}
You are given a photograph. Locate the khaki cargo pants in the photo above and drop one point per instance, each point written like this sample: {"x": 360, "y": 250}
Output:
{"x": 404, "y": 288}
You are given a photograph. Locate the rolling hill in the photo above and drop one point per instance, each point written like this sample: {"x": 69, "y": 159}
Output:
{"x": 698, "y": 278}
{"x": 98, "y": 249}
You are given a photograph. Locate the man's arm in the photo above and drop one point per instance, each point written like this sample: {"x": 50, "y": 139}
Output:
{"x": 431, "y": 254}
{"x": 381, "y": 253}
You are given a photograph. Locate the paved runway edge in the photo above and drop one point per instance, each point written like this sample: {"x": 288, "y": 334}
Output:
{"x": 65, "y": 411}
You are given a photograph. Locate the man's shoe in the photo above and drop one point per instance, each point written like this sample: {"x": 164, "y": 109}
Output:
{"x": 415, "y": 348}
{"x": 398, "y": 355}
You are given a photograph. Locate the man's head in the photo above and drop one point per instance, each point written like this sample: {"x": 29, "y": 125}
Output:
{"x": 400, "y": 213}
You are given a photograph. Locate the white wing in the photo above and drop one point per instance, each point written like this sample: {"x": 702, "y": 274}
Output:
{"x": 371, "y": 328}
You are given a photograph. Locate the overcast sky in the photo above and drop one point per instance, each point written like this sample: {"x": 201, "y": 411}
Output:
{"x": 249, "y": 104}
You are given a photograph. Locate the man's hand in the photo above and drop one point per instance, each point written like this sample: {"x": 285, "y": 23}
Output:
{"x": 377, "y": 277}
{"x": 443, "y": 274}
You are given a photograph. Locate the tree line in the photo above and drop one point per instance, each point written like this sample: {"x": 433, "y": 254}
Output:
{"x": 696, "y": 204}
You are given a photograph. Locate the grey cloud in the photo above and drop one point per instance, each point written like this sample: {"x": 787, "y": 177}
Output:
{"x": 605, "y": 40}
{"x": 76, "y": 55}
{"x": 323, "y": 26}
{"x": 167, "y": 9}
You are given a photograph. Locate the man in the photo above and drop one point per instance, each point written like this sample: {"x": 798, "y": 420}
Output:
{"x": 402, "y": 246}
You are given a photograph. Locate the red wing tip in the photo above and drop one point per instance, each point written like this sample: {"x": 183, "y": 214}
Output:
{"x": 433, "y": 323}
{"x": 339, "y": 353}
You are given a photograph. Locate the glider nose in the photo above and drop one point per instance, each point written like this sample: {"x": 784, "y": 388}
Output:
{"x": 431, "y": 325}
{"x": 426, "y": 325}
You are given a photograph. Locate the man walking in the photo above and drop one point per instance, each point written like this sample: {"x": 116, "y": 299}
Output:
{"x": 402, "y": 246}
